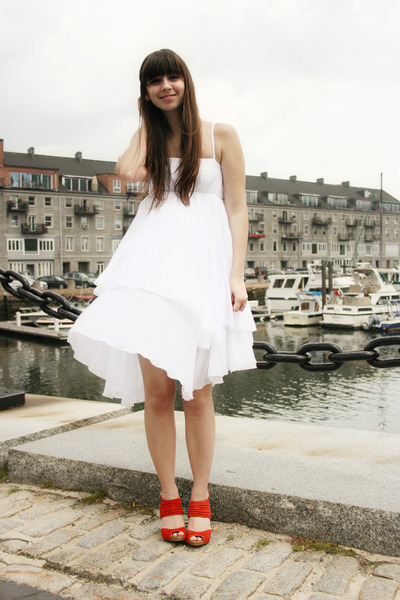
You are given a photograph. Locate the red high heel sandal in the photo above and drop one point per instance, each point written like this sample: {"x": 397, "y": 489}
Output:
{"x": 199, "y": 508}
{"x": 169, "y": 508}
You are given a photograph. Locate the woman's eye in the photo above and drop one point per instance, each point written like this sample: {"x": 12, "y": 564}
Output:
{"x": 154, "y": 81}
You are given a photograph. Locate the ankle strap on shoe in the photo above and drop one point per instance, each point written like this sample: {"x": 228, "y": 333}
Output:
{"x": 199, "y": 508}
{"x": 170, "y": 507}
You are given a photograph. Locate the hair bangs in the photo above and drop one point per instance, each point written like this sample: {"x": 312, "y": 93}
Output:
{"x": 162, "y": 62}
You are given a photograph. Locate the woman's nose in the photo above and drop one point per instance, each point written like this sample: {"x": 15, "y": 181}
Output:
{"x": 165, "y": 83}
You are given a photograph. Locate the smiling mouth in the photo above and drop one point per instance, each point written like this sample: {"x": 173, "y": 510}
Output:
{"x": 168, "y": 96}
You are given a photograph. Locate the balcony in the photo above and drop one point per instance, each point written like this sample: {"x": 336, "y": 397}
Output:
{"x": 290, "y": 237}
{"x": 322, "y": 222}
{"x": 370, "y": 225}
{"x": 129, "y": 212}
{"x": 354, "y": 223}
{"x": 88, "y": 211}
{"x": 255, "y": 217}
{"x": 346, "y": 237}
{"x": 33, "y": 229}
{"x": 371, "y": 238}
{"x": 286, "y": 220}
{"x": 19, "y": 206}
{"x": 256, "y": 235}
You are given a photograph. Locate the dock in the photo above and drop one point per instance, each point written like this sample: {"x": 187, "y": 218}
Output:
{"x": 42, "y": 333}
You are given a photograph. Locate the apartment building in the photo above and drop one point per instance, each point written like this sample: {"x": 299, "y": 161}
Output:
{"x": 61, "y": 214}
{"x": 293, "y": 222}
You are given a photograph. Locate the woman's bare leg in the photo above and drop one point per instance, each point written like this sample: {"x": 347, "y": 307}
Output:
{"x": 160, "y": 432}
{"x": 200, "y": 440}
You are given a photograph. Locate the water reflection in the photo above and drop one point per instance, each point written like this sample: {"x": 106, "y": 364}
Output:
{"x": 356, "y": 396}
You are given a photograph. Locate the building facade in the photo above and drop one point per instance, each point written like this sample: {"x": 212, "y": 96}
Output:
{"x": 61, "y": 214}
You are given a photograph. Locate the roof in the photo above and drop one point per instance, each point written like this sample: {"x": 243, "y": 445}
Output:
{"x": 292, "y": 187}
{"x": 77, "y": 166}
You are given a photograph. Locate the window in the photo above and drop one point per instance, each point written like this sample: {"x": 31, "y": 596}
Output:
{"x": 294, "y": 247}
{"x": 68, "y": 202}
{"x": 335, "y": 231}
{"x": 78, "y": 184}
{"x": 99, "y": 204}
{"x": 337, "y": 202}
{"x": 396, "y": 233}
{"x": 84, "y": 222}
{"x": 275, "y": 246}
{"x": 387, "y": 232}
{"x": 31, "y": 246}
{"x": 271, "y": 197}
{"x": 284, "y": 247}
{"x": 117, "y": 204}
{"x": 48, "y": 221}
{"x": 69, "y": 222}
{"x": 274, "y": 228}
{"x": 261, "y": 246}
{"x": 84, "y": 244}
{"x": 305, "y": 215}
{"x": 31, "y": 200}
{"x": 115, "y": 244}
{"x": 305, "y": 229}
{"x": 274, "y": 213}
{"x": 309, "y": 200}
{"x": 46, "y": 245}
{"x": 282, "y": 198}
{"x": 99, "y": 222}
{"x": 14, "y": 245}
{"x": 116, "y": 185}
{"x": 69, "y": 243}
{"x": 251, "y": 247}
{"x": 100, "y": 244}
{"x": 118, "y": 223}
{"x": 47, "y": 201}
{"x": 14, "y": 221}
{"x": 100, "y": 267}
{"x": 31, "y": 180}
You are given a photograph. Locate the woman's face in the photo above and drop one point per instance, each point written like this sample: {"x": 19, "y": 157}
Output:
{"x": 166, "y": 91}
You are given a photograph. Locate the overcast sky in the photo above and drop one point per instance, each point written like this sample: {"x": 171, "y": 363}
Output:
{"x": 312, "y": 86}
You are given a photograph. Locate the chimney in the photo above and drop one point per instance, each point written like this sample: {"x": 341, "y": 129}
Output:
{"x": 346, "y": 183}
{"x": 320, "y": 181}
{"x": 78, "y": 156}
{"x": 264, "y": 175}
{"x": 1, "y": 153}
{"x": 31, "y": 151}
{"x": 293, "y": 178}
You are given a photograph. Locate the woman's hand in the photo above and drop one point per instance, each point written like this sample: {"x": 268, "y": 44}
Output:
{"x": 238, "y": 293}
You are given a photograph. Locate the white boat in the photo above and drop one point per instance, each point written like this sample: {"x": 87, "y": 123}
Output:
{"x": 282, "y": 292}
{"x": 370, "y": 295}
{"x": 307, "y": 312}
{"x": 391, "y": 324}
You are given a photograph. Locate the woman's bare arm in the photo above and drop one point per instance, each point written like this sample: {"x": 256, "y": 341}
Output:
{"x": 131, "y": 164}
{"x": 233, "y": 172}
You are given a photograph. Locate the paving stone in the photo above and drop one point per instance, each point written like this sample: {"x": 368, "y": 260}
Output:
{"x": 238, "y": 585}
{"x": 146, "y": 531}
{"x": 9, "y": 525}
{"x": 150, "y": 551}
{"x": 322, "y": 597}
{"x": 337, "y": 576}
{"x": 52, "y": 541}
{"x": 102, "y": 533}
{"x": 12, "y": 546}
{"x": 95, "y": 562}
{"x": 97, "y": 591}
{"x": 269, "y": 557}
{"x": 289, "y": 578}
{"x": 14, "y": 508}
{"x": 43, "y": 508}
{"x": 49, "y": 523}
{"x": 36, "y": 577}
{"x": 124, "y": 569}
{"x": 165, "y": 572}
{"x": 17, "y": 497}
{"x": 191, "y": 588}
{"x": 88, "y": 522}
{"x": 390, "y": 570}
{"x": 216, "y": 563}
{"x": 377, "y": 588}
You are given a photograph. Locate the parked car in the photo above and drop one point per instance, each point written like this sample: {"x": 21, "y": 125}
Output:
{"x": 92, "y": 276}
{"x": 54, "y": 281}
{"x": 16, "y": 284}
{"x": 81, "y": 279}
{"x": 249, "y": 273}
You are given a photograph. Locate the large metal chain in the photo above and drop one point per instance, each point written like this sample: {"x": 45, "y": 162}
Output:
{"x": 271, "y": 357}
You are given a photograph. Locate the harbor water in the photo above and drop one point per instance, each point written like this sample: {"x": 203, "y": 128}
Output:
{"x": 355, "y": 396}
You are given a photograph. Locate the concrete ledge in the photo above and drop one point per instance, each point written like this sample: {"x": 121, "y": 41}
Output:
{"x": 44, "y": 416}
{"x": 331, "y": 484}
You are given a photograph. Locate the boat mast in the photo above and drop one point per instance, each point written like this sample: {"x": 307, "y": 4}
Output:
{"x": 381, "y": 226}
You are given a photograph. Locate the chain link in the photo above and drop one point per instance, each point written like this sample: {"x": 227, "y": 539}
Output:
{"x": 271, "y": 357}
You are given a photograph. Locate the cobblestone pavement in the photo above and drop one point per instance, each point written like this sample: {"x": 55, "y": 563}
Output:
{"x": 53, "y": 541}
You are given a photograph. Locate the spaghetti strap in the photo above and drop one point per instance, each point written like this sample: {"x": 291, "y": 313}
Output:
{"x": 212, "y": 140}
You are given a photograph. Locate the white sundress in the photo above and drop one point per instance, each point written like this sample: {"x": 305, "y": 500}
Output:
{"x": 165, "y": 295}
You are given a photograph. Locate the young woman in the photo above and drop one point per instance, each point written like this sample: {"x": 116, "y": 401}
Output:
{"x": 172, "y": 303}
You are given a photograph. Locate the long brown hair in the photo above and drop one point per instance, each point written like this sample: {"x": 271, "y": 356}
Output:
{"x": 166, "y": 62}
